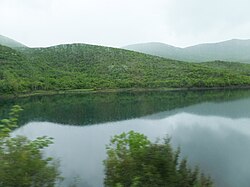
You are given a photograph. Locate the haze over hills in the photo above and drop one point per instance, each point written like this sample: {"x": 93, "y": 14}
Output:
{"x": 10, "y": 42}
{"x": 232, "y": 50}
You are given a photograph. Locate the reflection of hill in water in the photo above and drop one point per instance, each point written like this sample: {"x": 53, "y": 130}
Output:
{"x": 86, "y": 109}
{"x": 232, "y": 109}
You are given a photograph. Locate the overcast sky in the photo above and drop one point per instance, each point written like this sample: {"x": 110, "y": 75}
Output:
{"x": 122, "y": 22}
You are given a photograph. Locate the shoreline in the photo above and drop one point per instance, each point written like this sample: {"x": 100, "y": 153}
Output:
{"x": 115, "y": 90}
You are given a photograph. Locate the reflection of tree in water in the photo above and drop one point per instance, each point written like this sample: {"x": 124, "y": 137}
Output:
{"x": 86, "y": 109}
{"x": 75, "y": 181}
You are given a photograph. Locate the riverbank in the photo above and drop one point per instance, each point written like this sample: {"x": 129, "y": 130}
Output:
{"x": 88, "y": 91}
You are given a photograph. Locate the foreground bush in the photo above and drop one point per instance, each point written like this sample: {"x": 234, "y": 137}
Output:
{"x": 21, "y": 160}
{"x": 134, "y": 161}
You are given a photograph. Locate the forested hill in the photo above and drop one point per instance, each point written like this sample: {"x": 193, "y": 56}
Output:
{"x": 8, "y": 54}
{"x": 81, "y": 66}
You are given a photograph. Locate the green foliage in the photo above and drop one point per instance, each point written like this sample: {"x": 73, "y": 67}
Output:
{"x": 80, "y": 66}
{"x": 135, "y": 161}
{"x": 240, "y": 68}
{"x": 6, "y": 125}
{"x": 9, "y": 54}
{"x": 21, "y": 160}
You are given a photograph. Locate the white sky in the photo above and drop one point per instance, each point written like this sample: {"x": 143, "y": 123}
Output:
{"x": 123, "y": 22}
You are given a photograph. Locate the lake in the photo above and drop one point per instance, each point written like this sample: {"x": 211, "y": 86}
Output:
{"x": 212, "y": 129}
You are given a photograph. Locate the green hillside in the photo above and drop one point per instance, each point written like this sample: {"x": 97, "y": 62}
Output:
{"x": 235, "y": 67}
{"x": 81, "y": 66}
{"x": 8, "y": 54}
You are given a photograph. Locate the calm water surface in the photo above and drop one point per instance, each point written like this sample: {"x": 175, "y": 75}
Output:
{"x": 212, "y": 128}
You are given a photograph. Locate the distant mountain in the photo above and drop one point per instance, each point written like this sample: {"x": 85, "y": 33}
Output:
{"x": 155, "y": 48}
{"x": 10, "y": 43}
{"x": 231, "y": 50}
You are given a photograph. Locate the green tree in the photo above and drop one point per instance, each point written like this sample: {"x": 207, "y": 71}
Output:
{"x": 134, "y": 161}
{"x": 22, "y": 163}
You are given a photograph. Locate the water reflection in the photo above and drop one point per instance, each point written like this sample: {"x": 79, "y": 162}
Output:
{"x": 220, "y": 145}
{"x": 87, "y": 109}
{"x": 212, "y": 128}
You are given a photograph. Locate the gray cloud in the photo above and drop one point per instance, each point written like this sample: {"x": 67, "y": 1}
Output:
{"x": 120, "y": 22}
{"x": 209, "y": 21}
